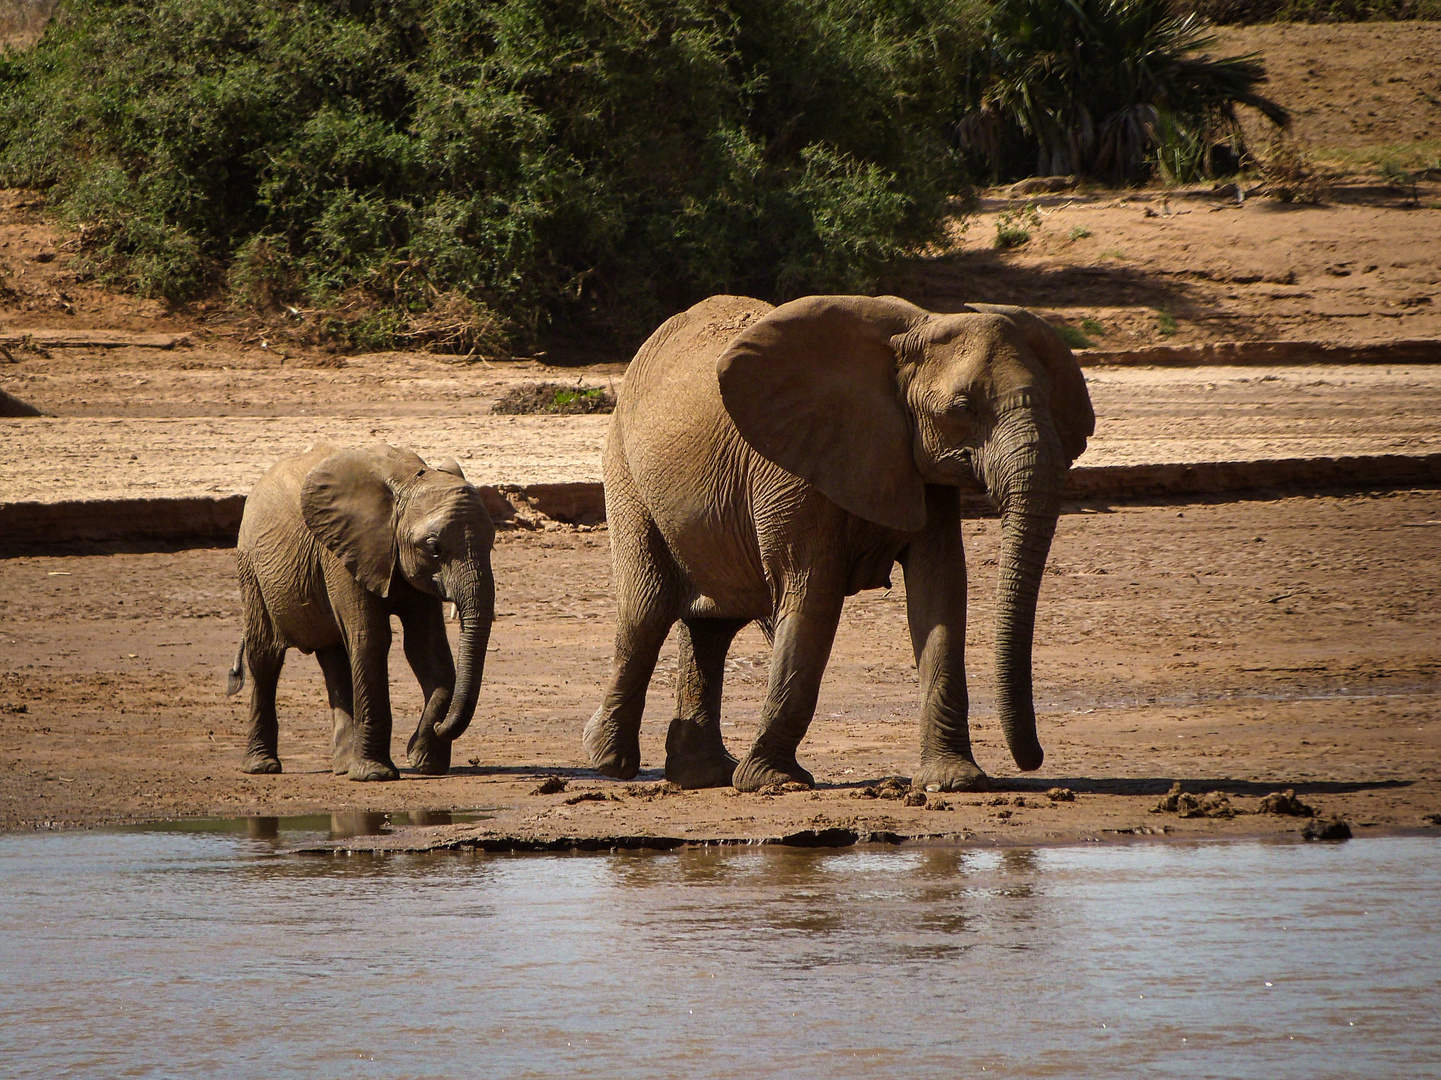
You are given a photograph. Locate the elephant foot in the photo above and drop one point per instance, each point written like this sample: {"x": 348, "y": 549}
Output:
{"x": 953, "y": 773}
{"x": 428, "y": 756}
{"x": 365, "y": 770}
{"x": 755, "y": 772}
{"x": 611, "y": 752}
{"x": 260, "y": 763}
{"x": 695, "y": 756}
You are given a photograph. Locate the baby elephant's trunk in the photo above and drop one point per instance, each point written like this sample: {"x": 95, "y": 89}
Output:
{"x": 236, "y": 677}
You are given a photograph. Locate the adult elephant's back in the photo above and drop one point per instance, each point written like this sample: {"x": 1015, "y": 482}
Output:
{"x": 671, "y": 428}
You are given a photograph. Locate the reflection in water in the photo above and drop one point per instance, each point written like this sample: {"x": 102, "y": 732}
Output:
{"x": 348, "y": 823}
{"x": 1242, "y": 960}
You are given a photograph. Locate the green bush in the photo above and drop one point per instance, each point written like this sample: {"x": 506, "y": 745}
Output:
{"x": 522, "y": 164}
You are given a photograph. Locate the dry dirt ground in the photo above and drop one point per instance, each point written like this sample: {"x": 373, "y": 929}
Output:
{"x": 1243, "y": 648}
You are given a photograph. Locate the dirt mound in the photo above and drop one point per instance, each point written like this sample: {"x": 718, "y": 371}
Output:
{"x": 557, "y": 398}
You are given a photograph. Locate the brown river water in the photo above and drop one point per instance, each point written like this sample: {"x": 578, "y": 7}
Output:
{"x": 204, "y": 949}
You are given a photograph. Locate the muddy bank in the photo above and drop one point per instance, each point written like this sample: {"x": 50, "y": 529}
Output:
{"x": 1246, "y": 648}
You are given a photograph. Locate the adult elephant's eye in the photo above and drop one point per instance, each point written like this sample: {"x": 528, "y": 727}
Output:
{"x": 432, "y": 546}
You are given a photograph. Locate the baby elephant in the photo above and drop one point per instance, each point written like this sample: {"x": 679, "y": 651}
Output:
{"x": 332, "y": 544}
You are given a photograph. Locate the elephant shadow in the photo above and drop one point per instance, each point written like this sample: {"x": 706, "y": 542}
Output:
{"x": 1156, "y": 785}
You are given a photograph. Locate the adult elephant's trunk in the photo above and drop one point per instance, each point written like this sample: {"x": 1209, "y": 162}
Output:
{"x": 1025, "y": 472}
{"x": 474, "y": 596}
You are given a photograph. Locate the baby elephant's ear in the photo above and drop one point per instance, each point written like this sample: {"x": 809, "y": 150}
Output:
{"x": 813, "y": 387}
{"x": 348, "y": 502}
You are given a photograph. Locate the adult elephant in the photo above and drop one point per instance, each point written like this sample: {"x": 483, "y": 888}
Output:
{"x": 332, "y": 544}
{"x": 765, "y": 463}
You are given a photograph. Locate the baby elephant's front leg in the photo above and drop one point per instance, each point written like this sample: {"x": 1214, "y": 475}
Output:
{"x": 427, "y": 649}
{"x": 369, "y": 649}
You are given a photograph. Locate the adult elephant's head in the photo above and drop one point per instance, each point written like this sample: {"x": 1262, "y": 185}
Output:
{"x": 385, "y": 515}
{"x": 872, "y": 398}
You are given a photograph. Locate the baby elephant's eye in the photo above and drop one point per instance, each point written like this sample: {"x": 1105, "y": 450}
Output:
{"x": 432, "y": 546}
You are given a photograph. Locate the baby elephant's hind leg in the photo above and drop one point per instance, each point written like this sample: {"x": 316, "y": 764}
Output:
{"x": 695, "y": 754}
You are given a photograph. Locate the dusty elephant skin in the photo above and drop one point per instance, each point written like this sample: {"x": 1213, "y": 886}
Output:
{"x": 765, "y": 463}
{"x": 333, "y": 543}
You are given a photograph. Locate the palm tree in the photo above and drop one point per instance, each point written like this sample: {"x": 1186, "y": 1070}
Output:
{"x": 1093, "y": 86}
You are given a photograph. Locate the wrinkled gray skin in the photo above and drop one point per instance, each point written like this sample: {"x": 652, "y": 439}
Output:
{"x": 765, "y": 463}
{"x": 332, "y": 544}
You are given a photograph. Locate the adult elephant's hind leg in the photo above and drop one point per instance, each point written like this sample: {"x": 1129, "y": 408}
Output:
{"x": 695, "y": 754}
{"x": 804, "y": 632}
{"x": 265, "y": 656}
{"x": 647, "y": 593}
{"x": 262, "y": 753}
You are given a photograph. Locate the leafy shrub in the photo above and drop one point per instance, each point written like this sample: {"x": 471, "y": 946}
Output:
{"x": 1014, "y": 227}
{"x": 1288, "y": 172}
{"x": 523, "y": 164}
{"x": 1094, "y": 87}
{"x": 1073, "y": 337}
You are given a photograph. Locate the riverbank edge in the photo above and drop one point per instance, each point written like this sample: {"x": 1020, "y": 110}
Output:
{"x": 205, "y": 520}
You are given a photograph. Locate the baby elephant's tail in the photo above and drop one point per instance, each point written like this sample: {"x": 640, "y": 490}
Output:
{"x": 236, "y": 678}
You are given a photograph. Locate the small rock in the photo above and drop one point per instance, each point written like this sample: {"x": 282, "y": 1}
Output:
{"x": 1432, "y": 819}
{"x": 551, "y": 785}
{"x": 915, "y": 798}
{"x": 1286, "y": 804}
{"x": 937, "y": 804}
{"x": 1327, "y": 828}
{"x": 1061, "y": 794}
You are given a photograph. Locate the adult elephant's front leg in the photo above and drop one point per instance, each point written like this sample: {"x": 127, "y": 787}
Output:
{"x": 805, "y": 628}
{"x": 368, "y": 643}
{"x": 935, "y": 569}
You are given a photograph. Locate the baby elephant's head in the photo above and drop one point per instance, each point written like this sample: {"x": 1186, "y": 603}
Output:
{"x": 388, "y": 517}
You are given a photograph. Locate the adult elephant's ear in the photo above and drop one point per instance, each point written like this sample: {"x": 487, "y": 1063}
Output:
{"x": 348, "y": 502}
{"x": 812, "y": 387}
{"x": 1071, "y": 409}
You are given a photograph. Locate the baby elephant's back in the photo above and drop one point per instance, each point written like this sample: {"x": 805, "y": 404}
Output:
{"x": 283, "y": 555}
